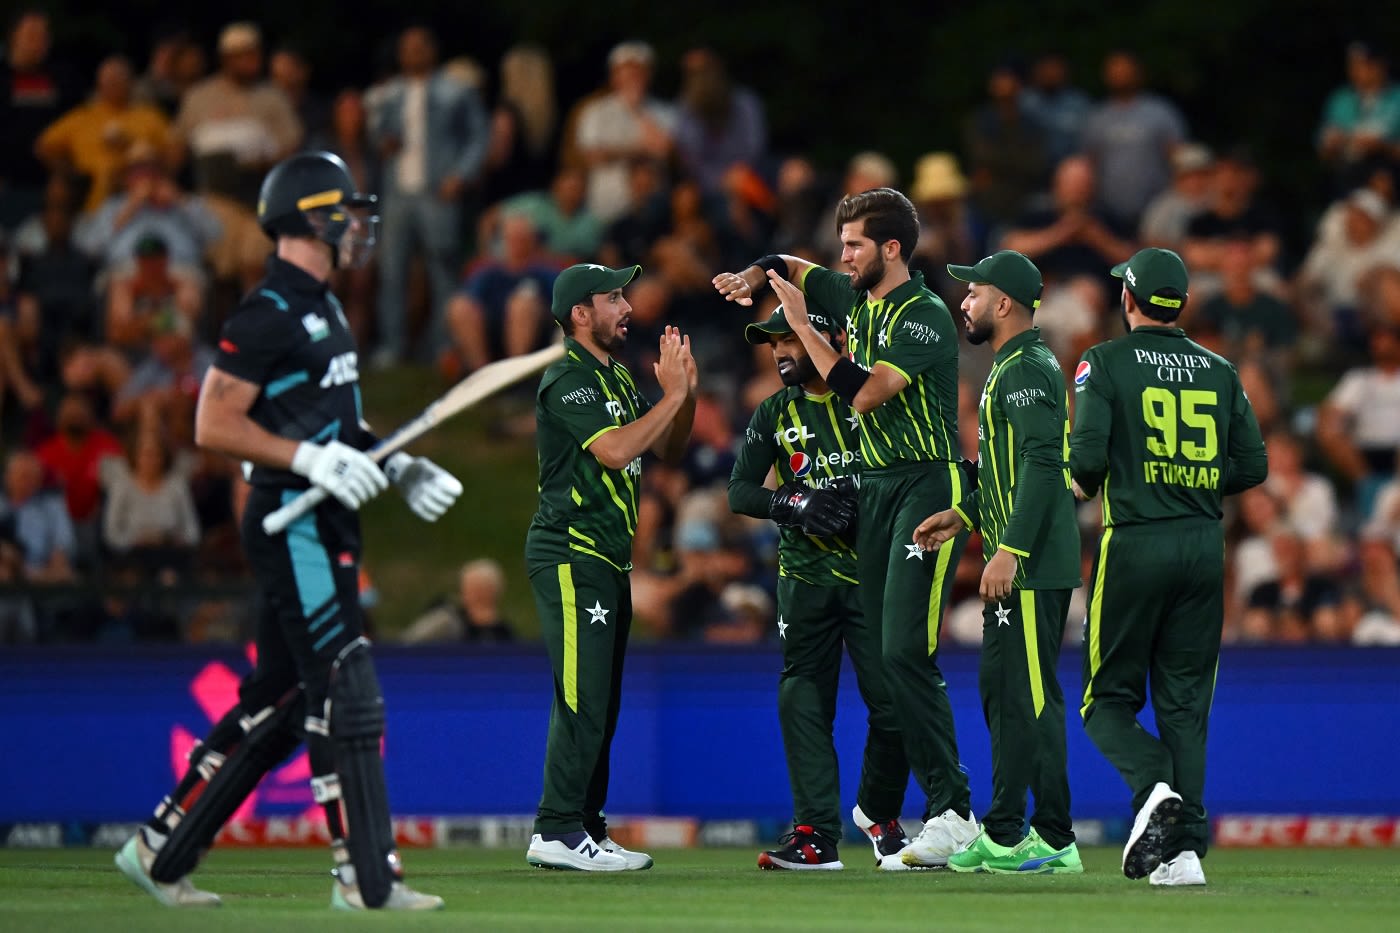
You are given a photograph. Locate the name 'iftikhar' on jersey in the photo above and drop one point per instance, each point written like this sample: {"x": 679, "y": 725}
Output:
{"x": 289, "y": 336}
{"x": 1164, "y": 426}
{"x": 586, "y": 510}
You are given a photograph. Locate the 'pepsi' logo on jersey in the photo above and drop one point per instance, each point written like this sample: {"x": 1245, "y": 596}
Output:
{"x": 1081, "y": 373}
{"x": 800, "y": 464}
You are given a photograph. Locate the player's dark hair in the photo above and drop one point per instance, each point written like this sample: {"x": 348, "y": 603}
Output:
{"x": 888, "y": 215}
{"x": 1157, "y": 312}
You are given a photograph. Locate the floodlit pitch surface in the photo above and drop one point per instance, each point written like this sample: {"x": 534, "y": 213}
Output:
{"x": 721, "y": 889}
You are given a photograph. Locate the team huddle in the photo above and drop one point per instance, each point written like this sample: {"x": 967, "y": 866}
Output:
{"x": 870, "y": 533}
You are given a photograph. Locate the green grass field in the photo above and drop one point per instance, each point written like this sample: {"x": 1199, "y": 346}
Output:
{"x": 720, "y": 889}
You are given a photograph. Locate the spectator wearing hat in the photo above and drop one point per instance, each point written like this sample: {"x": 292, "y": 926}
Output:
{"x": 432, "y": 132}
{"x": 235, "y": 124}
{"x": 1169, "y": 214}
{"x": 948, "y": 228}
{"x": 1361, "y": 119}
{"x": 149, "y": 204}
{"x": 142, "y": 293}
{"x": 624, "y": 125}
{"x": 92, "y": 140}
{"x": 1330, "y": 279}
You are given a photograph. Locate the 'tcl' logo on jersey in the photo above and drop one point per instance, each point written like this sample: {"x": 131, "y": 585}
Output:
{"x": 344, "y": 368}
{"x": 793, "y": 435}
{"x": 1081, "y": 373}
{"x": 800, "y": 464}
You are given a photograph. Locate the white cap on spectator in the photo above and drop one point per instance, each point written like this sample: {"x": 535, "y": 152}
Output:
{"x": 634, "y": 51}
{"x": 239, "y": 37}
{"x": 875, "y": 166}
{"x": 1191, "y": 157}
{"x": 1369, "y": 203}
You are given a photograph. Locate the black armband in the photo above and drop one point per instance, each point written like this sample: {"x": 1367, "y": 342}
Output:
{"x": 772, "y": 262}
{"x": 846, "y": 378}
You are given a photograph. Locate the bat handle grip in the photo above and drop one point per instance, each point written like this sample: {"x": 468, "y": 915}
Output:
{"x": 274, "y": 523}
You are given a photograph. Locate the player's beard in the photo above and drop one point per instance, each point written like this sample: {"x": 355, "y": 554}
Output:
{"x": 802, "y": 371}
{"x": 864, "y": 282}
{"x": 612, "y": 341}
{"x": 978, "y": 333}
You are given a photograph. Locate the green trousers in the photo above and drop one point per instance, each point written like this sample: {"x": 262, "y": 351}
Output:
{"x": 906, "y": 591}
{"x": 1025, "y": 712}
{"x": 813, "y": 623}
{"x": 585, "y": 611}
{"x": 1156, "y": 609}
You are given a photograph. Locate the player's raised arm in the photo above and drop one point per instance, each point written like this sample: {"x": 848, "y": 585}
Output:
{"x": 741, "y": 286}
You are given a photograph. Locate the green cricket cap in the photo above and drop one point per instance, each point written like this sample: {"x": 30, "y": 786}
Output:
{"x": 777, "y": 323}
{"x": 1151, "y": 273}
{"x": 1008, "y": 270}
{"x": 577, "y": 283}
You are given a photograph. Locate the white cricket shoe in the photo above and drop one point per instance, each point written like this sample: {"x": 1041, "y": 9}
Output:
{"x": 401, "y": 897}
{"x": 135, "y": 859}
{"x": 1185, "y": 869}
{"x": 888, "y": 839}
{"x": 941, "y": 836}
{"x": 636, "y": 861}
{"x": 1154, "y": 821}
{"x": 576, "y": 851}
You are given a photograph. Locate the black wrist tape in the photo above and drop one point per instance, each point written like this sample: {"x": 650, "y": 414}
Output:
{"x": 846, "y": 378}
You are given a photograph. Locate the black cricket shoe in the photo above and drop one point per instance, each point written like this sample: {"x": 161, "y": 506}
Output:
{"x": 803, "y": 849}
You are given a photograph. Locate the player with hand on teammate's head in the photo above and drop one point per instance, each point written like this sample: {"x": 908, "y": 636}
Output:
{"x": 809, "y": 438}
{"x": 1164, "y": 431}
{"x": 283, "y": 395}
{"x": 1024, "y": 509}
{"x": 899, "y": 374}
{"x": 593, "y": 426}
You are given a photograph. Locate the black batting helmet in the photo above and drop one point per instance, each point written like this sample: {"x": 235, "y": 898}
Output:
{"x": 311, "y": 194}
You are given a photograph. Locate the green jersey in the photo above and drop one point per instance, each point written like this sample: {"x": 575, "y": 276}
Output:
{"x": 809, "y": 439}
{"x": 1023, "y": 502}
{"x": 585, "y": 508}
{"x": 1162, "y": 424}
{"x": 910, "y": 331}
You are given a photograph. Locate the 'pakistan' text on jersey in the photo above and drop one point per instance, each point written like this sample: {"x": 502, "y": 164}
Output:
{"x": 585, "y": 508}
{"x": 910, "y": 331}
{"x": 1023, "y": 502}
{"x": 289, "y": 336}
{"x": 1163, "y": 425}
{"x": 809, "y": 440}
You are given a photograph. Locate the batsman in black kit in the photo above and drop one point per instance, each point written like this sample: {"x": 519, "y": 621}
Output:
{"x": 284, "y": 396}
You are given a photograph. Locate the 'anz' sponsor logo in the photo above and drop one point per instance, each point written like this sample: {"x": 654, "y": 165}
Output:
{"x": 343, "y": 368}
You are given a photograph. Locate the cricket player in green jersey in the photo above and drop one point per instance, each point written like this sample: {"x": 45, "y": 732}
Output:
{"x": 807, "y": 437}
{"x": 1025, "y": 509}
{"x": 593, "y": 427}
{"x": 1163, "y": 430}
{"x": 901, "y": 378}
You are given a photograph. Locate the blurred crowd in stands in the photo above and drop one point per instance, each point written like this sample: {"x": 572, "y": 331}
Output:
{"x": 127, "y": 235}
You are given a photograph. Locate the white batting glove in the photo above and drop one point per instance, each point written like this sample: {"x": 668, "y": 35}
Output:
{"x": 429, "y": 489}
{"x": 341, "y": 470}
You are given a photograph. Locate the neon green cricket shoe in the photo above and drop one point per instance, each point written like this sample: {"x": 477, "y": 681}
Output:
{"x": 1034, "y": 855}
{"x": 979, "y": 854}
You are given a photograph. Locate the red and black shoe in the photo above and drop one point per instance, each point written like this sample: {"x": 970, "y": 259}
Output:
{"x": 803, "y": 849}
